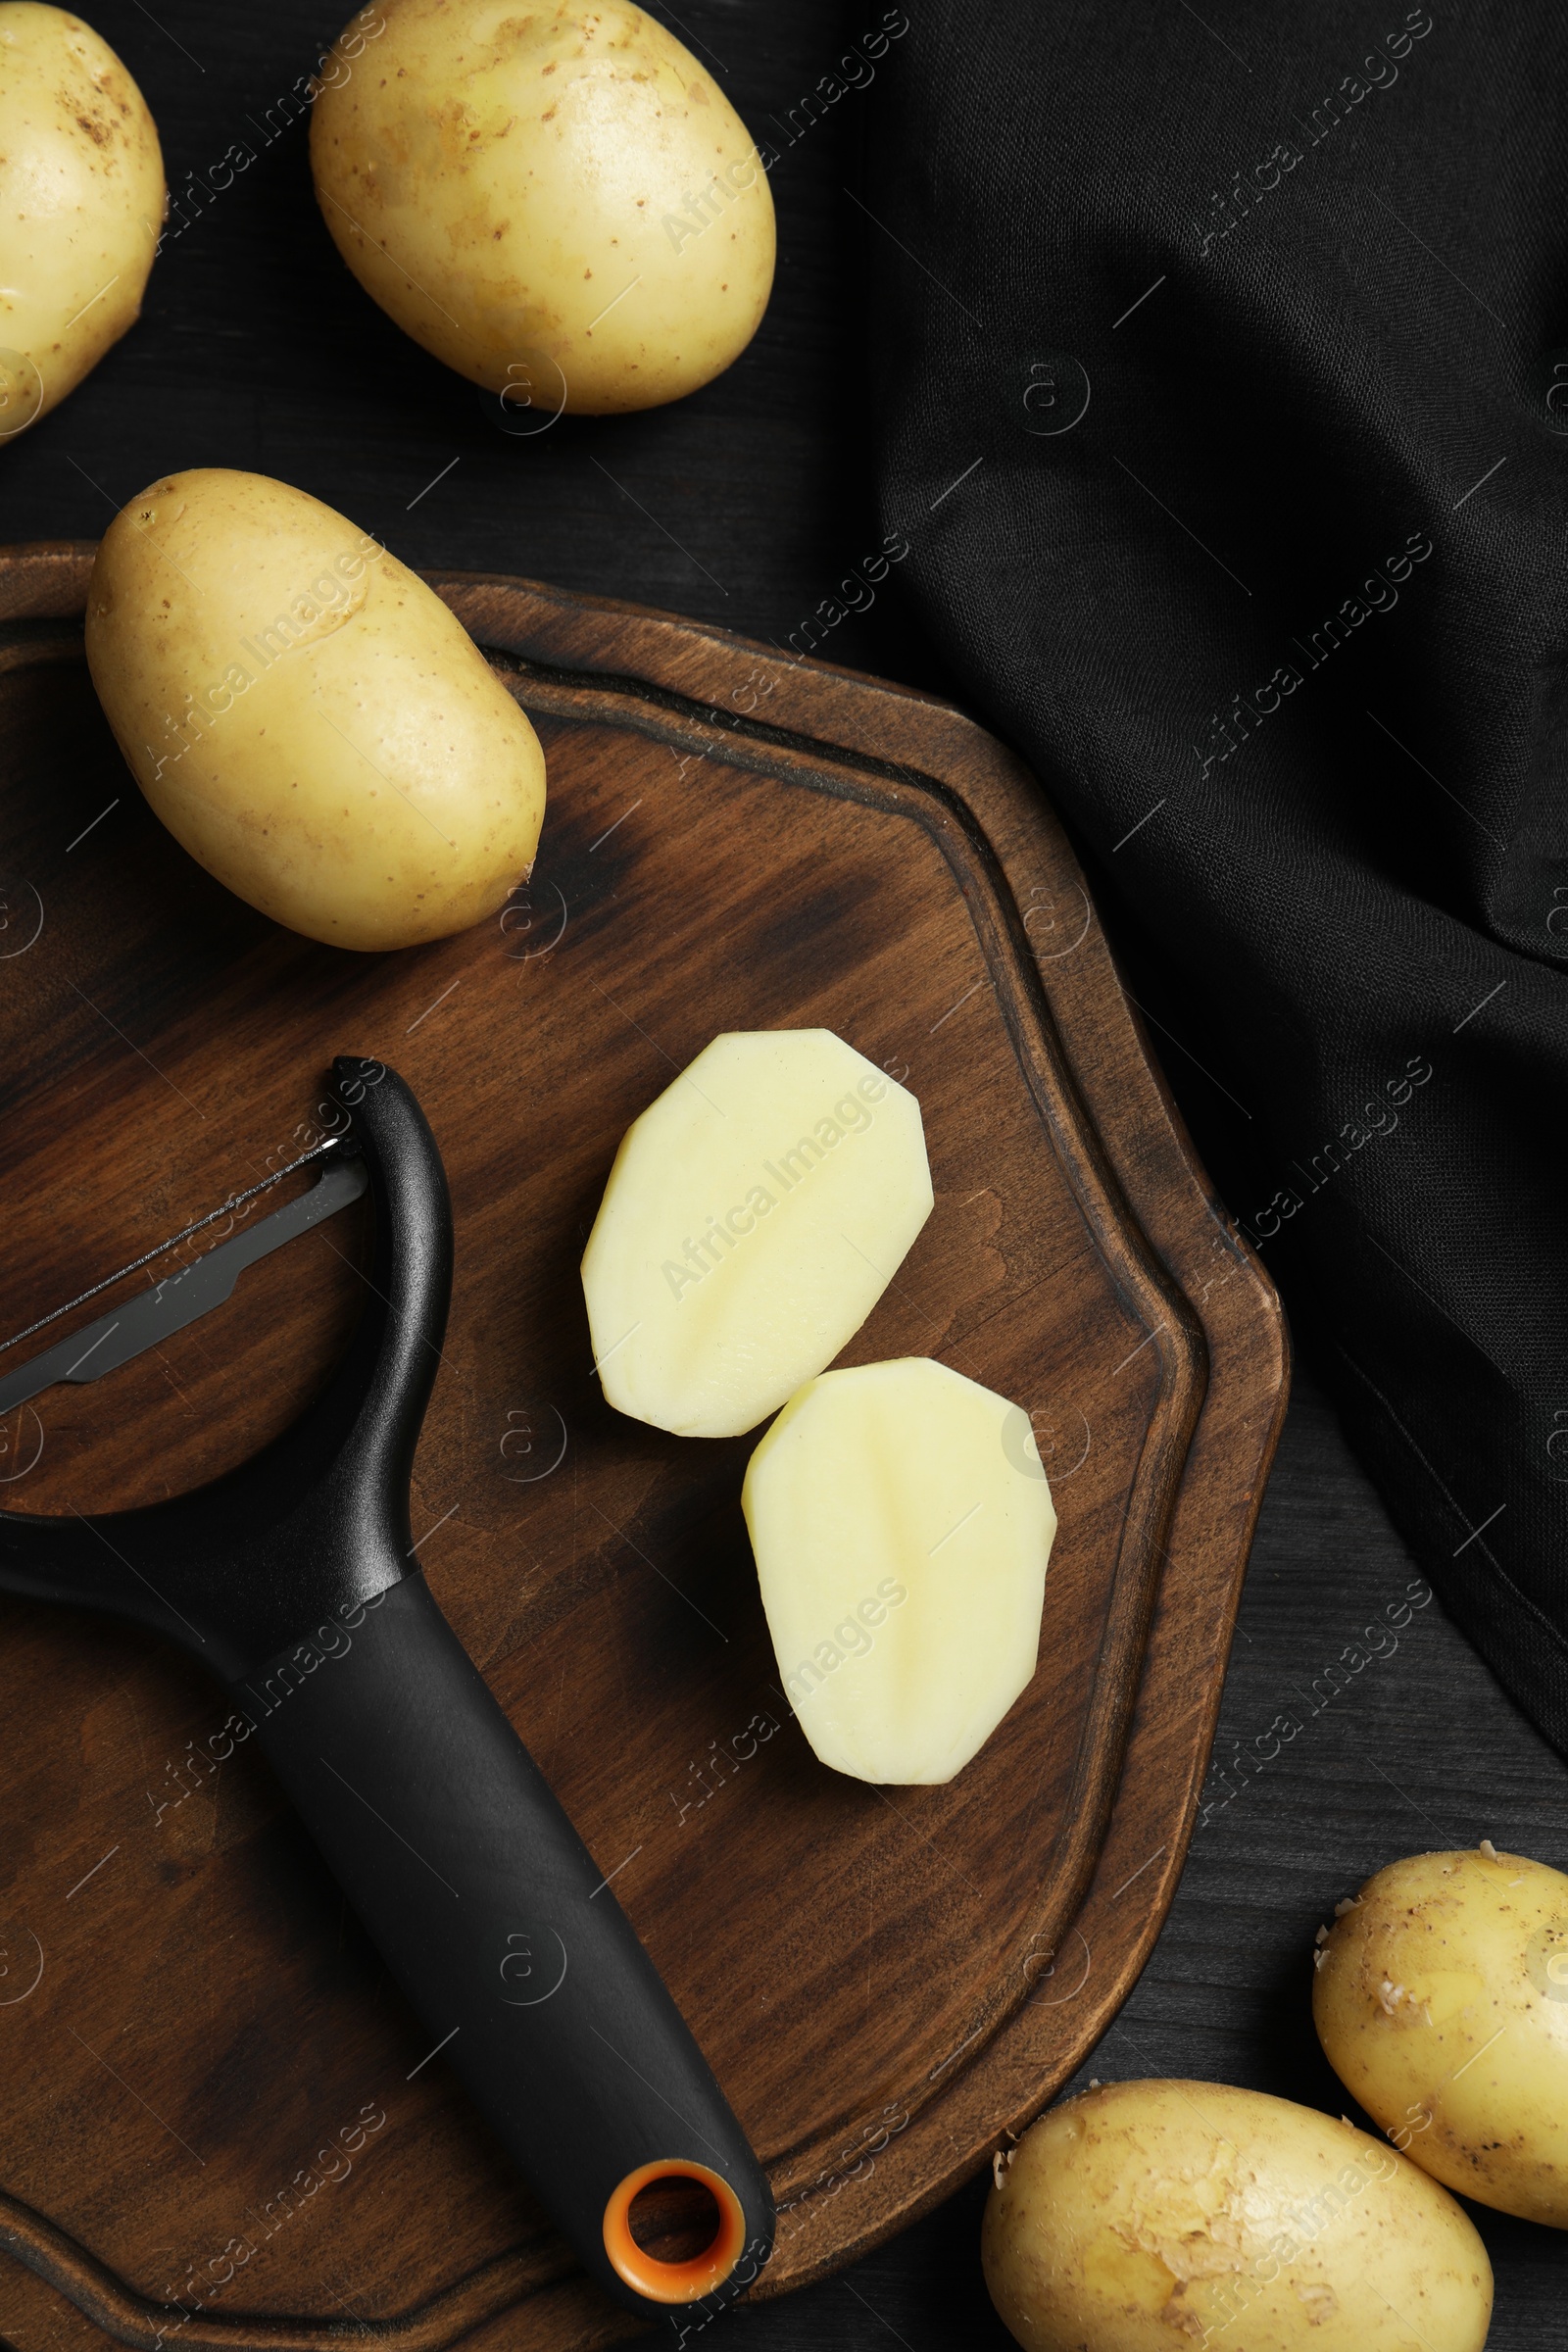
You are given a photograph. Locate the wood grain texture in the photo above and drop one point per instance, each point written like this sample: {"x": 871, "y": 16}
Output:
{"x": 883, "y": 1980}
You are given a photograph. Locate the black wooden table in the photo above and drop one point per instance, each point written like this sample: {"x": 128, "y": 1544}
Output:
{"x": 745, "y": 505}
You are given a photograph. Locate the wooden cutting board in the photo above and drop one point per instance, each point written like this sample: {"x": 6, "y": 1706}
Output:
{"x": 218, "y": 2124}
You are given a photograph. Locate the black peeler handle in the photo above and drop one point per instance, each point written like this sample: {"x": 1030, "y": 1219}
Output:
{"x": 289, "y": 1579}
{"x": 505, "y": 1937}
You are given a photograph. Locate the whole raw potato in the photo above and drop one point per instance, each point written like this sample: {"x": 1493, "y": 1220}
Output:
{"x": 1151, "y": 2217}
{"x": 1442, "y": 2000}
{"x": 81, "y": 202}
{"x": 557, "y": 201}
{"x": 306, "y": 718}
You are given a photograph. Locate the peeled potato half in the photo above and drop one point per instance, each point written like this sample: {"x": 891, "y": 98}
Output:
{"x": 901, "y": 1524}
{"x": 754, "y": 1215}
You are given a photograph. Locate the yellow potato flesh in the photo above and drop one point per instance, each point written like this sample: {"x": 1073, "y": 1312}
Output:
{"x": 81, "y": 201}
{"x": 306, "y": 717}
{"x": 901, "y": 1524}
{"x": 1442, "y": 2001}
{"x": 1150, "y": 2216}
{"x": 754, "y": 1215}
{"x": 559, "y": 201}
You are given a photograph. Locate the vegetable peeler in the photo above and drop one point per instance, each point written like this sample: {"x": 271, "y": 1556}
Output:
{"x": 292, "y": 1578}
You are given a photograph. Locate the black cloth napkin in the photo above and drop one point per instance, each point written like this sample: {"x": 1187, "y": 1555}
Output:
{"x": 1221, "y": 381}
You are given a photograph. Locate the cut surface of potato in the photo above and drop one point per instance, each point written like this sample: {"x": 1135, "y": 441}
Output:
{"x": 901, "y": 1524}
{"x": 754, "y": 1216}
{"x": 1440, "y": 1998}
{"x": 306, "y": 718}
{"x": 1150, "y": 2216}
{"x": 81, "y": 201}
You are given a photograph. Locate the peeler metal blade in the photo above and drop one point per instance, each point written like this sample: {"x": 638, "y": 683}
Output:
{"x": 128, "y": 1330}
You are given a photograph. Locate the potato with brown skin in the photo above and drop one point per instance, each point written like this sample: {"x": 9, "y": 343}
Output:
{"x": 81, "y": 202}
{"x": 1155, "y": 2217}
{"x": 558, "y": 201}
{"x": 306, "y": 717}
{"x": 1440, "y": 1998}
